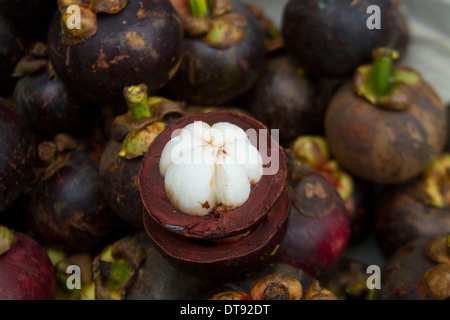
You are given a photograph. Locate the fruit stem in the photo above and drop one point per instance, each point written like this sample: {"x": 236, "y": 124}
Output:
{"x": 199, "y": 8}
{"x": 382, "y": 72}
{"x": 7, "y": 239}
{"x": 137, "y": 101}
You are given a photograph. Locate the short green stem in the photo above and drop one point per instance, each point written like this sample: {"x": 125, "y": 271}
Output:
{"x": 199, "y": 8}
{"x": 382, "y": 70}
{"x": 137, "y": 101}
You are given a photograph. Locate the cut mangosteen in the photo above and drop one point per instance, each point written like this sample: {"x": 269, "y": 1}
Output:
{"x": 226, "y": 258}
{"x": 319, "y": 226}
{"x": 223, "y": 53}
{"x": 215, "y": 222}
{"x": 414, "y": 209}
{"x": 386, "y": 125}
{"x": 130, "y": 42}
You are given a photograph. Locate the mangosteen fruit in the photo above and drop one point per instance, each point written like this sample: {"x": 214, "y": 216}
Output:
{"x": 419, "y": 270}
{"x": 331, "y": 38}
{"x": 67, "y": 209}
{"x": 287, "y": 99}
{"x": 275, "y": 281}
{"x": 223, "y": 53}
{"x": 17, "y": 156}
{"x": 131, "y": 135}
{"x": 387, "y": 124}
{"x": 132, "y": 269}
{"x": 118, "y": 44}
{"x": 319, "y": 226}
{"x": 213, "y": 190}
{"x": 45, "y": 102}
{"x": 27, "y": 272}
{"x": 313, "y": 152}
{"x": 414, "y": 209}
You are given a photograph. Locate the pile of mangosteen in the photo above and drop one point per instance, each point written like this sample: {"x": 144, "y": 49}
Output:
{"x": 196, "y": 150}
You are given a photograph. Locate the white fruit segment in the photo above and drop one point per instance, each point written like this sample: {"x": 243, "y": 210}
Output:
{"x": 209, "y": 167}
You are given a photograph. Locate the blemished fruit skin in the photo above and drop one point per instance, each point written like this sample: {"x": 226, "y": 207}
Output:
{"x": 385, "y": 146}
{"x": 27, "y": 272}
{"x": 140, "y": 44}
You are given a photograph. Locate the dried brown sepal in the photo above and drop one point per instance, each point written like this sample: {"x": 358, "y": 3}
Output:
{"x": 108, "y": 6}
{"x": 435, "y": 284}
{"x": 219, "y": 7}
{"x": 438, "y": 250}
{"x": 194, "y": 26}
{"x": 316, "y": 292}
{"x": 277, "y": 287}
{"x": 226, "y": 31}
{"x": 74, "y": 32}
{"x": 231, "y": 295}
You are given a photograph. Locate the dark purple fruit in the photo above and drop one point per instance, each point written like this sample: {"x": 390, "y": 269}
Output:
{"x": 49, "y": 108}
{"x": 319, "y": 226}
{"x": 414, "y": 209}
{"x": 387, "y": 124}
{"x": 67, "y": 209}
{"x": 285, "y": 99}
{"x": 132, "y": 269}
{"x": 222, "y": 61}
{"x": 331, "y": 38}
{"x": 17, "y": 155}
{"x": 26, "y": 270}
{"x": 138, "y": 43}
{"x": 419, "y": 270}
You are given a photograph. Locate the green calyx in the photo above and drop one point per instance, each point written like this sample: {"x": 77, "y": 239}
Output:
{"x": 384, "y": 85}
{"x": 137, "y": 101}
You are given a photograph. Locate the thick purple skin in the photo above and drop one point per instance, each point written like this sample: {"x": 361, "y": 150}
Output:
{"x": 318, "y": 230}
{"x": 17, "y": 155}
{"x": 285, "y": 100}
{"x": 208, "y": 76}
{"x": 404, "y": 270}
{"x": 26, "y": 272}
{"x": 99, "y": 68}
{"x": 68, "y": 210}
{"x": 49, "y": 108}
{"x": 400, "y": 218}
{"x": 226, "y": 259}
{"x": 330, "y": 38}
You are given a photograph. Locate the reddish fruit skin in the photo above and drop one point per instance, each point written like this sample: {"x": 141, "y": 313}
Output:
{"x": 315, "y": 239}
{"x": 26, "y": 272}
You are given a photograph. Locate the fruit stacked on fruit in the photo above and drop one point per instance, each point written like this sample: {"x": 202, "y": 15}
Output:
{"x": 193, "y": 149}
